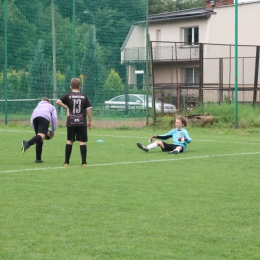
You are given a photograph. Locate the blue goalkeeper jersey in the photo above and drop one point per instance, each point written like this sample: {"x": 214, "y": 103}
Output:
{"x": 175, "y": 134}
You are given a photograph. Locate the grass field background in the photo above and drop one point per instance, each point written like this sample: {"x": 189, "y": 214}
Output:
{"x": 128, "y": 204}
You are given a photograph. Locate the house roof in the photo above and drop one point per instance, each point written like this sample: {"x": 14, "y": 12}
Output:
{"x": 180, "y": 15}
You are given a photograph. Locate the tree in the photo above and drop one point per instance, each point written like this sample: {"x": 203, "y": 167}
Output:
{"x": 113, "y": 84}
{"x": 68, "y": 77}
{"x": 113, "y": 21}
{"x": 29, "y": 21}
{"x": 38, "y": 74}
{"x": 113, "y": 81}
{"x": 188, "y": 4}
{"x": 160, "y": 6}
{"x": 13, "y": 84}
{"x": 20, "y": 45}
{"x": 89, "y": 66}
{"x": 24, "y": 86}
{"x": 163, "y": 6}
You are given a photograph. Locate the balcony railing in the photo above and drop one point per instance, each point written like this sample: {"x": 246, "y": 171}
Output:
{"x": 163, "y": 53}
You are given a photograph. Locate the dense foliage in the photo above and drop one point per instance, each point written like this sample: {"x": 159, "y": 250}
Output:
{"x": 163, "y": 6}
{"x": 88, "y": 37}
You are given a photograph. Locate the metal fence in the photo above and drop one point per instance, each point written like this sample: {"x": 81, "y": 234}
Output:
{"x": 189, "y": 74}
{"x": 43, "y": 44}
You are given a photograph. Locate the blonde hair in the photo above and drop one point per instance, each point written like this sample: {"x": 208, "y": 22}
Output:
{"x": 183, "y": 119}
{"x": 75, "y": 83}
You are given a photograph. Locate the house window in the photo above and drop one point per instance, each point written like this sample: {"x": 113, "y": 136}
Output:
{"x": 191, "y": 35}
{"x": 192, "y": 77}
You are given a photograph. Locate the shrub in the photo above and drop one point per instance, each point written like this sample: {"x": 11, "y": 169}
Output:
{"x": 248, "y": 115}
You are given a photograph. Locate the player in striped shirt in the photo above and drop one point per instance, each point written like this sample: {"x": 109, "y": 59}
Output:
{"x": 78, "y": 109}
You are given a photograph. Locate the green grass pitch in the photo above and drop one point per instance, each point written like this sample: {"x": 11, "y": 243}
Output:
{"x": 127, "y": 204}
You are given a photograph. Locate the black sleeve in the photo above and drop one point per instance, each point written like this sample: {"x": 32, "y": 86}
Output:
{"x": 163, "y": 137}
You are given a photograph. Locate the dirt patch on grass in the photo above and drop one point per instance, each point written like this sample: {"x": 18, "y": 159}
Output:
{"x": 117, "y": 124}
{"x": 96, "y": 123}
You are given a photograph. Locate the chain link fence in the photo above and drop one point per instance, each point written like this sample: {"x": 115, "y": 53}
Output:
{"x": 187, "y": 75}
{"x": 44, "y": 43}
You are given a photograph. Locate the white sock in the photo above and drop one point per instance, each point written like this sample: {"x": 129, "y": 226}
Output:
{"x": 151, "y": 146}
{"x": 176, "y": 150}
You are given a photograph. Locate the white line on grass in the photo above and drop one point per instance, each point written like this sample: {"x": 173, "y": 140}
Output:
{"x": 193, "y": 140}
{"x": 136, "y": 162}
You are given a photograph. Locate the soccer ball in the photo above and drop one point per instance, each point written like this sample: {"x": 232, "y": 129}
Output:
{"x": 48, "y": 135}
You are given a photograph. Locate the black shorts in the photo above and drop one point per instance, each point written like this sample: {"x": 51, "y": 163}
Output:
{"x": 41, "y": 125}
{"x": 169, "y": 147}
{"x": 78, "y": 133}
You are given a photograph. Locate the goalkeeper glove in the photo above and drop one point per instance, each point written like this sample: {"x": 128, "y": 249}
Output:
{"x": 180, "y": 139}
{"x": 151, "y": 138}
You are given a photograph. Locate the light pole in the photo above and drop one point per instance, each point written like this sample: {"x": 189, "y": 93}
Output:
{"x": 94, "y": 24}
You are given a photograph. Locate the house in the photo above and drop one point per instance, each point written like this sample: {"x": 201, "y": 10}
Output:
{"x": 181, "y": 40}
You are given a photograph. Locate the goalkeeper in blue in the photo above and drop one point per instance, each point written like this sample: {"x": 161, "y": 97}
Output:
{"x": 179, "y": 135}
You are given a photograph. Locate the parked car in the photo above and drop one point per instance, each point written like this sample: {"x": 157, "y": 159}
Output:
{"x": 137, "y": 101}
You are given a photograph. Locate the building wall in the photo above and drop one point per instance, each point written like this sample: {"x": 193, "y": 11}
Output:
{"x": 136, "y": 39}
{"x": 221, "y": 26}
{"x": 173, "y": 31}
{"x": 166, "y": 73}
{"x": 218, "y": 28}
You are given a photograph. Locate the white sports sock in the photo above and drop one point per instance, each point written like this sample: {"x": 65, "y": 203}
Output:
{"x": 151, "y": 146}
{"x": 176, "y": 150}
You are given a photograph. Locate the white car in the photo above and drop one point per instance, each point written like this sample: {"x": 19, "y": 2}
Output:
{"x": 137, "y": 101}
